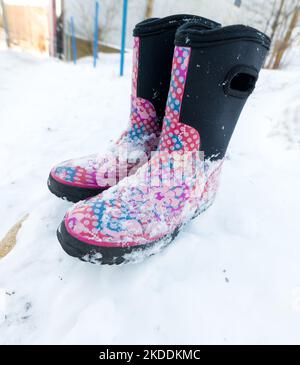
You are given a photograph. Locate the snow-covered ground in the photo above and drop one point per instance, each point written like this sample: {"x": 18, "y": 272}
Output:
{"x": 232, "y": 276}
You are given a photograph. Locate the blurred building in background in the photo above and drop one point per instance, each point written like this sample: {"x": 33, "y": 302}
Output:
{"x": 45, "y": 25}
{"x": 111, "y": 13}
{"x": 27, "y": 24}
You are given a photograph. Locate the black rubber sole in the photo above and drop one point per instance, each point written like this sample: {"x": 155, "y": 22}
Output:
{"x": 106, "y": 255}
{"x": 115, "y": 255}
{"x": 70, "y": 193}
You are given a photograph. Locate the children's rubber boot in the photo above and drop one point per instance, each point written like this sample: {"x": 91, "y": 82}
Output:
{"x": 81, "y": 178}
{"x": 213, "y": 74}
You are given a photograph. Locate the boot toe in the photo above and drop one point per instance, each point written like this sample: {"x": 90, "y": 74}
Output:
{"x": 97, "y": 223}
{"x": 74, "y": 174}
{"x": 90, "y": 234}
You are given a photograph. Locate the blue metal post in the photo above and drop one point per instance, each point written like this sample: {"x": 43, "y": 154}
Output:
{"x": 74, "y": 48}
{"x": 96, "y": 33}
{"x": 123, "y": 43}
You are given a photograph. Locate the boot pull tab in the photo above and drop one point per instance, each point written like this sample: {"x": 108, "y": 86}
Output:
{"x": 240, "y": 81}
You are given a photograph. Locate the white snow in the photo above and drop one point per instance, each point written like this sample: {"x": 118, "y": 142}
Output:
{"x": 232, "y": 276}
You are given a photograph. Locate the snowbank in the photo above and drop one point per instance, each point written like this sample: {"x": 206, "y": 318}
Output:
{"x": 232, "y": 275}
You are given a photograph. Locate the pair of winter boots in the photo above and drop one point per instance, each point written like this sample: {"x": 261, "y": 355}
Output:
{"x": 190, "y": 81}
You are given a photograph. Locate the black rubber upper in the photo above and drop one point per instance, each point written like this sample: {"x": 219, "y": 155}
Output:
{"x": 157, "y": 36}
{"x": 193, "y": 35}
{"x": 223, "y": 70}
{"x": 152, "y": 26}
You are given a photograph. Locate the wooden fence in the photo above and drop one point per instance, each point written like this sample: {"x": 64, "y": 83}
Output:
{"x": 28, "y": 27}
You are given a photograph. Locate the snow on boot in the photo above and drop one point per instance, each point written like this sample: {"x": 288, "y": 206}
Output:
{"x": 213, "y": 74}
{"x": 81, "y": 178}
